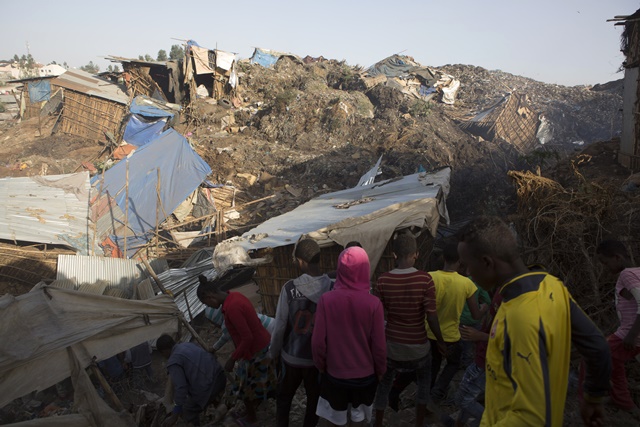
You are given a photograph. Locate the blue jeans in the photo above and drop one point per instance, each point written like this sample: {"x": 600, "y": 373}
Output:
{"x": 422, "y": 368}
{"x": 471, "y": 386}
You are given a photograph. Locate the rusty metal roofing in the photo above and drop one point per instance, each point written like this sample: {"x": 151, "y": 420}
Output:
{"x": 34, "y": 209}
{"x": 86, "y": 83}
{"x": 83, "y": 82}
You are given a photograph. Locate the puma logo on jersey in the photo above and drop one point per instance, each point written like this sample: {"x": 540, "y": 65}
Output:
{"x": 551, "y": 297}
{"x": 524, "y": 357}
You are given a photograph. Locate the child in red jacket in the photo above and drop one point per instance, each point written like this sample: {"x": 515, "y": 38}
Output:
{"x": 255, "y": 373}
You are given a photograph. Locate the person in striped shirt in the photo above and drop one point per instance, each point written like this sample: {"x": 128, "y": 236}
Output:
{"x": 625, "y": 341}
{"x": 217, "y": 318}
{"x": 408, "y": 296}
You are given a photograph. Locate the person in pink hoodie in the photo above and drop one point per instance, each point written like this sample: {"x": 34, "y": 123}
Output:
{"x": 348, "y": 343}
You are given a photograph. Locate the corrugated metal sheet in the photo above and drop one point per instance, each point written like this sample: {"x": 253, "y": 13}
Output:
{"x": 91, "y": 269}
{"x": 86, "y": 83}
{"x": 183, "y": 282}
{"x": 33, "y": 212}
{"x": 119, "y": 276}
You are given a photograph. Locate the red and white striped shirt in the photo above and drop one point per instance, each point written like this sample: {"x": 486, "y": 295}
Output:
{"x": 407, "y": 296}
{"x": 627, "y": 309}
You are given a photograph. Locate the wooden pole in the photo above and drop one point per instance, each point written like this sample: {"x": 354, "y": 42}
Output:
{"x": 107, "y": 388}
{"x": 167, "y": 292}
{"x": 158, "y": 201}
{"x": 194, "y": 333}
{"x": 155, "y": 277}
{"x": 126, "y": 209}
{"x": 95, "y": 232}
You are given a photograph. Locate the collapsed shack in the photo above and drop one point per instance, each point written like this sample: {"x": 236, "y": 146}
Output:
{"x": 162, "y": 80}
{"x": 369, "y": 214}
{"x": 209, "y": 73}
{"x": 139, "y": 193}
{"x": 87, "y": 106}
{"x": 52, "y": 334}
{"x": 629, "y": 154}
{"x": 511, "y": 119}
{"x": 401, "y": 72}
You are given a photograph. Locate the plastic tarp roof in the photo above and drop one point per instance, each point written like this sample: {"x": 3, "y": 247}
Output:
{"x": 369, "y": 214}
{"x": 39, "y": 327}
{"x": 265, "y": 57}
{"x": 181, "y": 171}
{"x": 149, "y": 107}
{"x": 140, "y": 132}
{"x": 394, "y": 66}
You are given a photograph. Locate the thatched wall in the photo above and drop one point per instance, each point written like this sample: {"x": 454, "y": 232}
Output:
{"x": 513, "y": 121}
{"x": 90, "y": 117}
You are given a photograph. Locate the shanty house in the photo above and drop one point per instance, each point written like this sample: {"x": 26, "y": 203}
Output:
{"x": 368, "y": 213}
{"x": 91, "y": 107}
{"x": 510, "y": 119}
{"x": 162, "y": 80}
{"x": 629, "y": 154}
{"x": 209, "y": 72}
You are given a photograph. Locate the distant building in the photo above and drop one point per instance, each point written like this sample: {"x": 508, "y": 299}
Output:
{"x": 9, "y": 70}
{"x": 51, "y": 70}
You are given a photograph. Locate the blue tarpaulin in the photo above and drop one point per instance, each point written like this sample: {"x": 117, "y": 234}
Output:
{"x": 145, "y": 106}
{"x": 264, "y": 58}
{"x": 39, "y": 91}
{"x": 181, "y": 172}
{"x": 140, "y": 132}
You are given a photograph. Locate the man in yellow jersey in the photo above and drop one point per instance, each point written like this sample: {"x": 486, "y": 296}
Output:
{"x": 527, "y": 363}
{"x": 453, "y": 290}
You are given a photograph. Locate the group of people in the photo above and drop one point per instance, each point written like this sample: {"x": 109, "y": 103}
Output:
{"x": 355, "y": 348}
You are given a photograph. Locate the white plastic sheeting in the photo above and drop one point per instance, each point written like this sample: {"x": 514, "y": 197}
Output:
{"x": 39, "y": 327}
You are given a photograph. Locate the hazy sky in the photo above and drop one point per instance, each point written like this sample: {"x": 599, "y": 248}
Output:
{"x": 562, "y": 41}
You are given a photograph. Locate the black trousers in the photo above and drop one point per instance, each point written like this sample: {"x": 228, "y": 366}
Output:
{"x": 290, "y": 379}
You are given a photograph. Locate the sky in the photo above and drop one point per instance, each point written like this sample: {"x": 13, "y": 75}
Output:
{"x": 565, "y": 42}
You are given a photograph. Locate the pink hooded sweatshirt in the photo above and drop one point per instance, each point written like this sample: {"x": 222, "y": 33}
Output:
{"x": 348, "y": 338}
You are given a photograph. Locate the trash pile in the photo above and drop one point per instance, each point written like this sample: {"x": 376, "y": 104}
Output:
{"x": 121, "y": 187}
{"x": 575, "y": 115}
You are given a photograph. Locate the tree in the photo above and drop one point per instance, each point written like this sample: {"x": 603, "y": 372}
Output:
{"x": 141, "y": 58}
{"x": 113, "y": 69}
{"x": 16, "y": 58}
{"x": 148, "y": 58}
{"x": 176, "y": 52}
{"x": 91, "y": 68}
{"x": 65, "y": 65}
{"x": 162, "y": 55}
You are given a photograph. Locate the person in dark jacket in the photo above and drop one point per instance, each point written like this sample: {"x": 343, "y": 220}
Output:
{"x": 291, "y": 339}
{"x": 196, "y": 375}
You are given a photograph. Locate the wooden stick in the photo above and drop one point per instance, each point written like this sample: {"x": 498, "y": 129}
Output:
{"x": 159, "y": 197}
{"x": 158, "y": 201}
{"x": 194, "y": 333}
{"x": 126, "y": 209}
{"x": 156, "y": 278}
{"x": 107, "y": 388}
